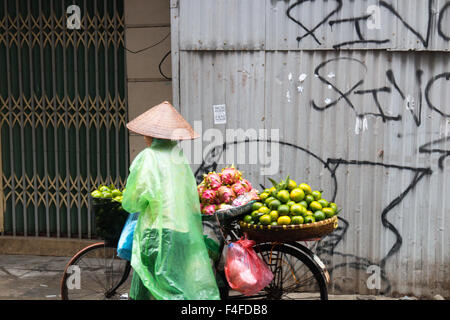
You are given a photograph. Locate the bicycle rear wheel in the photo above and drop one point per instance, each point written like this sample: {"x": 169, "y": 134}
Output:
{"x": 96, "y": 273}
{"x": 297, "y": 275}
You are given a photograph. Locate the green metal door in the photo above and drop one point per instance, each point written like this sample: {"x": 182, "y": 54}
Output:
{"x": 63, "y": 112}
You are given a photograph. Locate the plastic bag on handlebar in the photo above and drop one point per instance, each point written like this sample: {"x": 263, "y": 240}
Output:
{"x": 245, "y": 271}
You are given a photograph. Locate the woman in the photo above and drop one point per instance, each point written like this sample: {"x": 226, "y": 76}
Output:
{"x": 169, "y": 257}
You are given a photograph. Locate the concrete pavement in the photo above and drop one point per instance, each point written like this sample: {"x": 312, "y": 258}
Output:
{"x": 31, "y": 277}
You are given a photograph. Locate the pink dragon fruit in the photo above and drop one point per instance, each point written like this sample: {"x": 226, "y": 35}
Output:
{"x": 200, "y": 188}
{"x": 230, "y": 175}
{"x": 247, "y": 185}
{"x": 212, "y": 180}
{"x": 209, "y": 210}
{"x": 225, "y": 194}
{"x": 208, "y": 196}
{"x": 238, "y": 188}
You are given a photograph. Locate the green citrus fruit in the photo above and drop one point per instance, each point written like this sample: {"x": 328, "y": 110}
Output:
{"x": 116, "y": 193}
{"x": 283, "y": 210}
{"x": 290, "y": 203}
{"x": 323, "y": 202}
{"x": 274, "y": 204}
{"x": 283, "y": 196}
{"x": 256, "y": 206}
{"x": 248, "y": 218}
{"x": 284, "y": 220}
{"x": 274, "y": 215}
{"x": 291, "y": 184}
{"x": 269, "y": 200}
{"x": 265, "y": 219}
{"x": 329, "y": 212}
{"x": 314, "y": 206}
{"x": 319, "y": 215}
{"x": 297, "y": 195}
{"x": 104, "y": 189}
{"x": 309, "y": 219}
{"x": 303, "y": 203}
{"x": 96, "y": 194}
{"x": 255, "y": 215}
{"x": 333, "y": 206}
{"x": 297, "y": 220}
{"x": 273, "y": 191}
{"x": 264, "y": 210}
{"x": 309, "y": 213}
{"x": 274, "y": 223}
{"x": 298, "y": 210}
{"x": 309, "y": 198}
{"x": 306, "y": 188}
{"x": 106, "y": 194}
{"x": 263, "y": 196}
{"x": 317, "y": 195}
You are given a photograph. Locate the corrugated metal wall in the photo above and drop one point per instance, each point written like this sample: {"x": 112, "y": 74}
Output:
{"x": 369, "y": 123}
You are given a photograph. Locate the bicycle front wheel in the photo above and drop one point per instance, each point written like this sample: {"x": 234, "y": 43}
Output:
{"x": 96, "y": 273}
{"x": 297, "y": 275}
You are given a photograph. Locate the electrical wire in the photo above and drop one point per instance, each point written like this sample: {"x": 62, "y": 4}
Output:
{"x": 160, "y": 64}
{"x": 149, "y": 47}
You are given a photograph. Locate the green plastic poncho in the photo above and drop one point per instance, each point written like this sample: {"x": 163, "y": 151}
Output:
{"x": 169, "y": 256}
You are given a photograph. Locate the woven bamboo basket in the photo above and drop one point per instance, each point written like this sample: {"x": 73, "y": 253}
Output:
{"x": 289, "y": 233}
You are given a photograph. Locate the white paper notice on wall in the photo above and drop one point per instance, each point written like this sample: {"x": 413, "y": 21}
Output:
{"x": 220, "y": 114}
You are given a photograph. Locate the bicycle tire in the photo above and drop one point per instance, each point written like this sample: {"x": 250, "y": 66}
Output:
{"x": 113, "y": 280}
{"x": 298, "y": 254}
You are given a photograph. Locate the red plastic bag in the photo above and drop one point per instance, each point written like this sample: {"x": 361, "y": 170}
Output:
{"x": 245, "y": 271}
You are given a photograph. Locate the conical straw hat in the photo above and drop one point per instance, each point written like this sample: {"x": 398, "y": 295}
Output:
{"x": 162, "y": 121}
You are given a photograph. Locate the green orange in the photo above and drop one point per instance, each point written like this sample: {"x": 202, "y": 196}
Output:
{"x": 309, "y": 219}
{"x": 274, "y": 215}
{"x": 309, "y": 198}
{"x": 291, "y": 184}
{"x": 284, "y": 220}
{"x": 317, "y": 195}
{"x": 290, "y": 203}
{"x": 319, "y": 215}
{"x": 283, "y": 196}
{"x": 297, "y": 195}
{"x": 323, "y": 202}
{"x": 248, "y": 218}
{"x": 297, "y": 220}
{"x": 298, "y": 210}
{"x": 329, "y": 212}
{"x": 283, "y": 210}
{"x": 256, "y": 206}
{"x": 263, "y": 196}
{"x": 314, "y": 206}
{"x": 273, "y": 205}
{"x": 303, "y": 203}
{"x": 265, "y": 219}
{"x": 306, "y": 188}
{"x": 264, "y": 210}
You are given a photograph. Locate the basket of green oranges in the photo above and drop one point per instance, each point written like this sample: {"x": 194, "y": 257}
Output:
{"x": 290, "y": 212}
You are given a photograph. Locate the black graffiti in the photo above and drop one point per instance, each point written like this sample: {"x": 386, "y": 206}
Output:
{"x": 427, "y": 148}
{"x": 445, "y": 36}
{"x": 356, "y": 22}
{"x": 308, "y": 31}
{"x": 416, "y": 112}
{"x": 327, "y": 246}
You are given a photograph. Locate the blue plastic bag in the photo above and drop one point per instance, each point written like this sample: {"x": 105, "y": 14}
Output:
{"x": 125, "y": 244}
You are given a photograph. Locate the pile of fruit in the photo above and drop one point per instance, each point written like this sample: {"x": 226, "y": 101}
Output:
{"x": 105, "y": 192}
{"x": 287, "y": 203}
{"x": 224, "y": 190}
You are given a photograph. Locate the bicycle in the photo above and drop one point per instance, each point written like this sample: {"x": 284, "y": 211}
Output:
{"x": 298, "y": 272}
